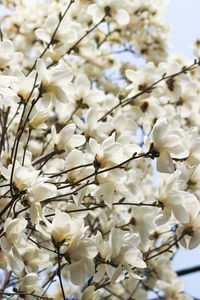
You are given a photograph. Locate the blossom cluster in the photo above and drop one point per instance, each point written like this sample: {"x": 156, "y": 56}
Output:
{"x": 85, "y": 213}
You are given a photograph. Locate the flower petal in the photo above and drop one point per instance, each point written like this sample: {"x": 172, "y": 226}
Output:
{"x": 122, "y": 17}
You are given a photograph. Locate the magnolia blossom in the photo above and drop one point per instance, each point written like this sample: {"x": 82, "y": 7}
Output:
{"x": 167, "y": 144}
{"x": 63, "y": 228}
{"x": 108, "y": 153}
{"x": 111, "y": 8}
{"x": 8, "y": 56}
{"x": 66, "y": 139}
{"x": 121, "y": 248}
{"x": 52, "y": 82}
{"x": 172, "y": 198}
{"x": 23, "y": 176}
{"x": 91, "y": 127}
{"x": 173, "y": 290}
{"x": 190, "y": 232}
{"x": 12, "y": 240}
{"x": 81, "y": 252}
{"x": 64, "y": 34}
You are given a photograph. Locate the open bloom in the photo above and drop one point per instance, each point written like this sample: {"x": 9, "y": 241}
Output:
{"x": 120, "y": 250}
{"x": 108, "y": 153}
{"x": 63, "y": 228}
{"x": 172, "y": 290}
{"x": 111, "y": 8}
{"x": 191, "y": 230}
{"x": 12, "y": 240}
{"x": 167, "y": 144}
{"x": 173, "y": 199}
{"x": 53, "y": 82}
{"x": 66, "y": 139}
{"x": 23, "y": 176}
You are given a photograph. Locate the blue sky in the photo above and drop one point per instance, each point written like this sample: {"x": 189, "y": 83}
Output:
{"x": 184, "y": 17}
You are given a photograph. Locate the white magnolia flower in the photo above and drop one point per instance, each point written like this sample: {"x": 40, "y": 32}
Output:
{"x": 190, "y": 230}
{"x": 192, "y": 142}
{"x": 111, "y": 8}
{"x": 81, "y": 251}
{"x": 63, "y": 227}
{"x": 173, "y": 290}
{"x": 53, "y": 82}
{"x": 90, "y": 294}
{"x": 66, "y": 139}
{"x": 8, "y": 56}
{"x": 167, "y": 144}
{"x": 172, "y": 199}
{"x": 23, "y": 87}
{"x": 65, "y": 33}
{"x": 90, "y": 125}
{"x": 120, "y": 250}
{"x": 84, "y": 94}
{"x": 13, "y": 233}
{"x": 108, "y": 153}
{"x": 12, "y": 240}
{"x": 38, "y": 192}
{"x": 23, "y": 176}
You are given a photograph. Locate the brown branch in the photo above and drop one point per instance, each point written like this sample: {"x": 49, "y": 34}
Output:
{"x": 61, "y": 17}
{"x": 87, "y": 32}
{"x": 167, "y": 249}
{"x": 103, "y": 206}
{"x": 188, "y": 271}
{"x": 4, "y": 128}
{"x": 43, "y": 157}
{"x": 149, "y": 89}
{"x": 5, "y": 281}
{"x": 59, "y": 273}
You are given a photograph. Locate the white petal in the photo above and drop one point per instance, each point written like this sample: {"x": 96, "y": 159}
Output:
{"x": 77, "y": 273}
{"x": 16, "y": 261}
{"x": 82, "y": 83}
{"x": 51, "y": 22}
{"x": 4, "y": 244}
{"x": 116, "y": 244}
{"x": 44, "y": 191}
{"x": 79, "y": 123}
{"x": 42, "y": 35}
{"x": 41, "y": 68}
{"x": 116, "y": 274}
{"x": 30, "y": 279}
{"x": 159, "y": 130}
{"x": 122, "y": 17}
{"x": 35, "y": 213}
{"x": 164, "y": 163}
{"x": 114, "y": 151}
{"x": 195, "y": 239}
{"x": 7, "y": 47}
{"x": 92, "y": 9}
{"x": 77, "y": 140}
{"x": 62, "y": 75}
{"x": 131, "y": 75}
{"x": 179, "y": 151}
{"x": 119, "y": 175}
{"x": 67, "y": 132}
{"x": 131, "y": 257}
{"x": 180, "y": 214}
{"x": 59, "y": 94}
{"x": 74, "y": 158}
{"x": 94, "y": 146}
{"x": 163, "y": 217}
{"x": 100, "y": 273}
